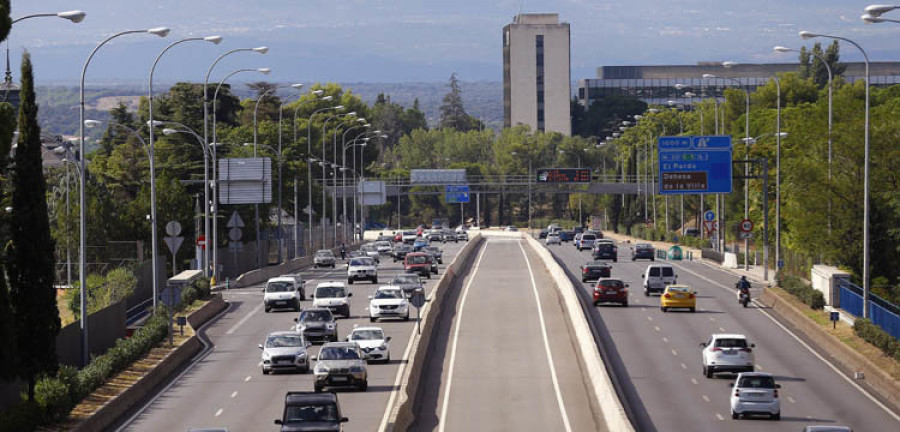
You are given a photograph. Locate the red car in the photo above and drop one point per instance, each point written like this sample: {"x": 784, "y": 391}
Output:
{"x": 398, "y": 237}
{"x": 611, "y": 291}
{"x": 418, "y": 262}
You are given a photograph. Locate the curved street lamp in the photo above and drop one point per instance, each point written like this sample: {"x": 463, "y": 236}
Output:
{"x": 75, "y": 16}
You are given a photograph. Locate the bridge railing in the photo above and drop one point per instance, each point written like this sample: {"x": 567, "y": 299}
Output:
{"x": 883, "y": 313}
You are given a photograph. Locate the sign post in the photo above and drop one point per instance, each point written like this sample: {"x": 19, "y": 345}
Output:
{"x": 694, "y": 165}
{"x": 418, "y": 300}
{"x": 456, "y": 194}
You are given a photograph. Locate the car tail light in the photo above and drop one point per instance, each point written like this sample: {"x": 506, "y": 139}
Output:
{"x": 776, "y": 393}
{"x": 585, "y": 271}
{"x": 615, "y": 249}
{"x": 692, "y": 295}
{"x": 716, "y": 349}
{"x": 747, "y": 349}
{"x": 667, "y": 295}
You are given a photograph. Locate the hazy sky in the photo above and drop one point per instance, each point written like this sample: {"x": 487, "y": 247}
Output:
{"x": 421, "y": 40}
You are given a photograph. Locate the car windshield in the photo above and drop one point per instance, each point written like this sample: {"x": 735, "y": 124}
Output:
{"x": 284, "y": 341}
{"x": 311, "y": 413}
{"x": 611, "y": 283}
{"x": 388, "y": 294}
{"x": 368, "y": 334}
{"x": 361, "y": 262}
{"x": 763, "y": 382}
{"x": 409, "y": 233}
{"x": 316, "y": 316}
{"x": 643, "y": 246}
{"x": 731, "y": 343}
{"x": 598, "y": 263}
{"x": 338, "y": 353}
{"x": 368, "y": 248}
{"x": 418, "y": 259}
{"x": 406, "y": 279}
{"x": 324, "y": 254}
{"x": 274, "y": 287}
{"x": 588, "y": 237}
{"x": 605, "y": 246}
{"x": 382, "y": 244}
{"x": 330, "y": 292}
{"x": 433, "y": 249}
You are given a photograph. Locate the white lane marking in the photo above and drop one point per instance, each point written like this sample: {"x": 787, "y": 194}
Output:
{"x": 684, "y": 366}
{"x": 722, "y": 329}
{"x": 694, "y": 381}
{"x": 649, "y": 318}
{"x": 666, "y": 340}
{"x": 260, "y": 364}
{"x": 244, "y": 319}
{"x": 712, "y": 319}
{"x": 537, "y": 300}
{"x": 705, "y": 398}
{"x": 234, "y": 395}
{"x": 719, "y": 416}
{"x": 219, "y": 412}
{"x": 248, "y": 378}
{"x": 801, "y": 342}
{"x": 791, "y": 400}
{"x": 759, "y": 367}
{"x": 656, "y": 328}
{"x": 462, "y": 306}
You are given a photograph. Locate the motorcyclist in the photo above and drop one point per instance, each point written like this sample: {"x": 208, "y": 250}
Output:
{"x": 343, "y": 251}
{"x": 743, "y": 287}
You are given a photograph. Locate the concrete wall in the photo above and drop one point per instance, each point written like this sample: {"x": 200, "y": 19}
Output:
{"x": 826, "y": 279}
{"x": 105, "y": 327}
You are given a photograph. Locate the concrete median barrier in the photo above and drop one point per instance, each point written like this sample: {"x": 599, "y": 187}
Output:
{"x": 600, "y": 385}
{"x": 402, "y": 412}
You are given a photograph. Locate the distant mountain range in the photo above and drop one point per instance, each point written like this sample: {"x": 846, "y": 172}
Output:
{"x": 58, "y": 109}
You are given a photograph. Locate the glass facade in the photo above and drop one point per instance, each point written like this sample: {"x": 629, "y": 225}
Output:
{"x": 539, "y": 64}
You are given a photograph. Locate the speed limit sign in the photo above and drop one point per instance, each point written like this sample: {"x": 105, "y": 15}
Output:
{"x": 746, "y": 225}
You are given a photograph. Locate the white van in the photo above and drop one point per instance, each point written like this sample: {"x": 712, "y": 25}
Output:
{"x": 656, "y": 277}
{"x": 284, "y": 292}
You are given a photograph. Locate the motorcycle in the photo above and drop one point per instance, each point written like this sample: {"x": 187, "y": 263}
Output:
{"x": 743, "y": 298}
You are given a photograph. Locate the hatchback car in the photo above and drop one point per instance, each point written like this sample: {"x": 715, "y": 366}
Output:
{"x": 374, "y": 344}
{"x": 755, "y": 393}
{"x": 553, "y": 238}
{"x": 643, "y": 251}
{"x": 324, "y": 258}
{"x": 605, "y": 251}
{"x": 585, "y": 241}
{"x": 594, "y": 270}
{"x": 678, "y": 297}
{"x": 611, "y": 291}
{"x": 727, "y": 353}
{"x": 340, "y": 364}
{"x": 388, "y": 302}
{"x": 284, "y": 350}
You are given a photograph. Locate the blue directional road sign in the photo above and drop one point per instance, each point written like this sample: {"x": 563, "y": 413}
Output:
{"x": 694, "y": 165}
{"x": 709, "y": 216}
{"x": 455, "y": 194}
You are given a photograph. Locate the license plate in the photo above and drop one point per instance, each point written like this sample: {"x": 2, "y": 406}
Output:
{"x": 280, "y": 302}
{"x": 285, "y": 362}
{"x": 339, "y": 379}
{"x": 730, "y": 352}
{"x": 679, "y": 295}
{"x": 612, "y": 292}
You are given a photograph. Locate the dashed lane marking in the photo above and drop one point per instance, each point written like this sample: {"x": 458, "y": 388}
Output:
{"x": 666, "y": 340}
{"x": 656, "y": 328}
{"x": 791, "y": 400}
{"x": 719, "y": 416}
{"x": 219, "y": 412}
{"x": 234, "y": 395}
{"x": 694, "y": 381}
{"x": 684, "y": 366}
{"x": 674, "y": 353}
{"x": 248, "y": 378}
{"x": 705, "y": 398}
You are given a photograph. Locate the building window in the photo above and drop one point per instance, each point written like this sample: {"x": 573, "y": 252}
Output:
{"x": 539, "y": 79}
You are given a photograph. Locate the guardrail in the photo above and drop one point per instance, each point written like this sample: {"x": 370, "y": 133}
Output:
{"x": 137, "y": 312}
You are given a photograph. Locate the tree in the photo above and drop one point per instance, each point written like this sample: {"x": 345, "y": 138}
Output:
{"x": 5, "y": 20}
{"x": 7, "y": 322}
{"x": 31, "y": 261}
{"x": 453, "y": 113}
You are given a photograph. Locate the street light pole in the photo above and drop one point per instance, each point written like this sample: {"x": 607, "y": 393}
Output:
{"x": 158, "y": 31}
{"x": 865, "y": 269}
{"x": 309, "y": 167}
{"x": 316, "y": 94}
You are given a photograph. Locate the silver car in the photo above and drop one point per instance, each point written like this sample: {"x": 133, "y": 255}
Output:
{"x": 284, "y": 350}
{"x": 324, "y": 258}
{"x": 340, "y": 364}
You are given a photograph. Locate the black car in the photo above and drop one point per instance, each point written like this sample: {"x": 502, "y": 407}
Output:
{"x": 643, "y": 250}
{"x": 605, "y": 251}
{"x": 317, "y": 324}
{"x": 543, "y": 234}
{"x": 435, "y": 252}
{"x": 594, "y": 270}
{"x": 400, "y": 251}
{"x": 409, "y": 283}
{"x": 308, "y": 411}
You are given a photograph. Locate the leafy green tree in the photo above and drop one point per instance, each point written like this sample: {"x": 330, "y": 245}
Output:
{"x": 31, "y": 261}
{"x": 103, "y": 291}
{"x": 5, "y": 20}
{"x": 453, "y": 111}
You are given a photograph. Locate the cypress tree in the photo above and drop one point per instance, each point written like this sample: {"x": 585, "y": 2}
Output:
{"x": 30, "y": 263}
{"x": 7, "y": 323}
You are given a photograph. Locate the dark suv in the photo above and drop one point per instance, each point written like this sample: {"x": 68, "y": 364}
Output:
{"x": 306, "y": 411}
{"x": 605, "y": 251}
{"x": 316, "y": 324}
{"x": 643, "y": 250}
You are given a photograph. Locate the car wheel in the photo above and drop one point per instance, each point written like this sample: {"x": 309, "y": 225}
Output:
{"x": 625, "y": 304}
{"x": 265, "y": 371}
{"x": 388, "y": 358}
{"x": 709, "y": 371}
{"x": 429, "y": 275}
{"x": 268, "y": 309}
{"x": 297, "y": 307}
{"x": 692, "y": 309}
{"x": 375, "y": 280}
{"x": 663, "y": 308}
{"x": 317, "y": 388}
{"x": 646, "y": 293}
{"x": 302, "y": 296}
{"x": 372, "y": 319}
{"x": 615, "y": 260}
{"x": 583, "y": 280}
{"x": 735, "y": 416}
{"x": 776, "y": 416}
{"x": 652, "y": 259}
{"x": 332, "y": 266}
{"x": 350, "y": 281}
{"x": 364, "y": 386}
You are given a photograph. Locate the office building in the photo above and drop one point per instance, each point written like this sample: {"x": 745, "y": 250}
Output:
{"x": 536, "y": 77}
{"x": 656, "y": 85}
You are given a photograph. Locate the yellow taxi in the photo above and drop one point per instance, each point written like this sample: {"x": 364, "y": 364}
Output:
{"x": 678, "y": 296}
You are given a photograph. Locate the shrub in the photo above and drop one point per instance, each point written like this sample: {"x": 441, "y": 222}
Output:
{"x": 806, "y": 293}
{"x": 874, "y": 335}
{"x": 52, "y": 396}
{"x": 23, "y": 416}
{"x": 188, "y": 295}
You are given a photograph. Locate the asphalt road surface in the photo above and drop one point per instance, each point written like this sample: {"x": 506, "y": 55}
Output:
{"x": 657, "y": 358}
{"x": 228, "y": 389}
{"x": 504, "y": 361}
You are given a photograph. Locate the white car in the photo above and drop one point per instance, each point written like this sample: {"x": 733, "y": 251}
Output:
{"x": 409, "y": 236}
{"x": 371, "y": 251}
{"x": 383, "y": 247}
{"x": 552, "y": 238}
{"x": 324, "y": 258}
{"x": 284, "y": 292}
{"x": 586, "y": 241}
{"x": 656, "y": 277}
{"x": 755, "y": 393}
{"x": 362, "y": 268}
{"x": 727, "y": 353}
{"x": 388, "y": 302}
{"x": 334, "y": 297}
{"x": 374, "y": 344}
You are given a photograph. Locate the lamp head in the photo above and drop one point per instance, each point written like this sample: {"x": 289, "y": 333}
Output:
{"x": 638, "y": 116}
{"x": 318, "y": 92}
{"x": 781, "y": 49}
{"x": 367, "y": 125}
{"x": 562, "y": 152}
{"x": 877, "y": 10}
{"x": 384, "y": 136}
{"x": 653, "y": 110}
{"x": 265, "y": 71}
{"x": 155, "y": 123}
{"x": 261, "y": 50}
{"x": 729, "y": 64}
{"x": 708, "y": 76}
{"x": 808, "y": 35}
{"x": 327, "y": 98}
{"x": 783, "y": 135}
{"x": 376, "y": 131}
{"x": 690, "y": 94}
{"x": 680, "y": 86}
{"x": 297, "y": 86}
{"x": 616, "y": 134}
{"x": 168, "y": 131}
{"x": 671, "y": 103}
{"x": 361, "y": 120}
{"x": 76, "y": 16}
{"x": 351, "y": 114}
{"x": 339, "y": 107}
{"x": 159, "y": 31}
{"x": 871, "y": 19}
{"x": 214, "y": 39}
{"x": 92, "y": 123}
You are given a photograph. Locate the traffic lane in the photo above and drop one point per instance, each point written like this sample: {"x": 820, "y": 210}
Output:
{"x": 500, "y": 377}
{"x": 228, "y": 383}
{"x": 804, "y": 399}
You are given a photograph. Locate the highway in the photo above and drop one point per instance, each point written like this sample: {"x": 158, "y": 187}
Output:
{"x": 227, "y": 388}
{"x": 656, "y": 357}
{"x": 504, "y": 361}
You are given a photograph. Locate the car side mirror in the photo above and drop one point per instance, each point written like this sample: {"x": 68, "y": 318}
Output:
{"x": 703, "y": 345}
{"x": 731, "y": 384}
{"x": 344, "y": 419}
{"x": 778, "y": 386}
{"x": 387, "y": 339}
{"x": 695, "y": 292}
{"x": 626, "y": 285}
{"x": 347, "y": 338}
{"x": 263, "y": 290}
{"x": 278, "y": 421}
{"x": 312, "y": 296}
{"x": 752, "y": 345}
{"x": 349, "y": 294}
{"x": 260, "y": 346}
{"x": 296, "y": 320}
{"x": 370, "y": 297}
{"x": 314, "y": 358}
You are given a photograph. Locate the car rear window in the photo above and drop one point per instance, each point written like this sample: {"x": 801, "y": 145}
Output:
{"x": 764, "y": 382}
{"x": 654, "y": 271}
{"x": 668, "y": 271}
{"x": 731, "y": 343}
{"x": 588, "y": 237}
{"x": 617, "y": 284}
